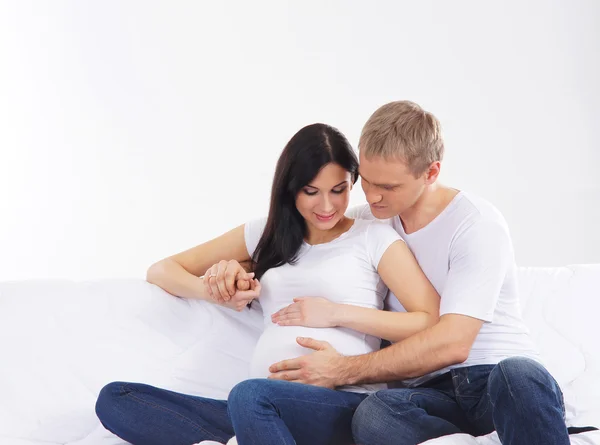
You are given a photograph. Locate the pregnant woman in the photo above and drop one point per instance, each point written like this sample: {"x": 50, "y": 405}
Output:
{"x": 306, "y": 247}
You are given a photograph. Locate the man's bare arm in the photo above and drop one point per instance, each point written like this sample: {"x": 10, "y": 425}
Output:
{"x": 446, "y": 343}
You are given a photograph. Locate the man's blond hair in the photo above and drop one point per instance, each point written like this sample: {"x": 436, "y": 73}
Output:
{"x": 403, "y": 130}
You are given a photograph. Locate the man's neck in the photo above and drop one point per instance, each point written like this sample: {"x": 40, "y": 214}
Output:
{"x": 431, "y": 203}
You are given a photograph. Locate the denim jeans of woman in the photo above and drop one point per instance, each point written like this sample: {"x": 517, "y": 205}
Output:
{"x": 260, "y": 411}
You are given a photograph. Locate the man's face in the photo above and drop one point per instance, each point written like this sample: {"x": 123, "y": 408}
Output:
{"x": 389, "y": 186}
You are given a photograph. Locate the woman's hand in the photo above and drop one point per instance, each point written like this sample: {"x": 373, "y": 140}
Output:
{"x": 311, "y": 312}
{"x": 221, "y": 278}
{"x": 229, "y": 285}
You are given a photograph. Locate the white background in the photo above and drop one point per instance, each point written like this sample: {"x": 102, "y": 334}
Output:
{"x": 131, "y": 130}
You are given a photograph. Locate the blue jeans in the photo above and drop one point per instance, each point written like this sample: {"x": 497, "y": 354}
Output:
{"x": 517, "y": 397}
{"x": 261, "y": 411}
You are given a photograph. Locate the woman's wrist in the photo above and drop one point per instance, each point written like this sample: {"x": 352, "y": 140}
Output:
{"x": 339, "y": 314}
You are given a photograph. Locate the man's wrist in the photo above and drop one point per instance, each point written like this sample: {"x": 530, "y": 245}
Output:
{"x": 348, "y": 371}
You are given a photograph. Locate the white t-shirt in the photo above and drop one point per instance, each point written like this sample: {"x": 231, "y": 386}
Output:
{"x": 467, "y": 254}
{"x": 343, "y": 271}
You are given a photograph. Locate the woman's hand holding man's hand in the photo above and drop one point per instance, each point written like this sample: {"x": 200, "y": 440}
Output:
{"x": 229, "y": 285}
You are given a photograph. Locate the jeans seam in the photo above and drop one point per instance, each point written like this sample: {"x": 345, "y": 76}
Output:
{"x": 196, "y": 402}
{"x": 414, "y": 393}
{"x": 389, "y": 408}
{"x": 310, "y": 401}
{"x": 505, "y": 377}
{"x": 162, "y": 408}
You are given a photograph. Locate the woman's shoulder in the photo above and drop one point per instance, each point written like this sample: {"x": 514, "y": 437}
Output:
{"x": 373, "y": 232}
{"x": 374, "y": 226}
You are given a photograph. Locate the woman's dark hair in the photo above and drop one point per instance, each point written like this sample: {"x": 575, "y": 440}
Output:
{"x": 311, "y": 149}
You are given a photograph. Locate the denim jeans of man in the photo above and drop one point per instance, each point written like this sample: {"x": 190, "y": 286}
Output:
{"x": 259, "y": 411}
{"x": 517, "y": 397}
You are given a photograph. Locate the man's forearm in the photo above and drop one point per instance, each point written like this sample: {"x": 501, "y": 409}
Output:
{"x": 424, "y": 352}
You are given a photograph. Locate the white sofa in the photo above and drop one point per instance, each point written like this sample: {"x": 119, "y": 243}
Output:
{"x": 62, "y": 341}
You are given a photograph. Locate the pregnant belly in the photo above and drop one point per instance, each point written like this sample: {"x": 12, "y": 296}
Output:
{"x": 278, "y": 343}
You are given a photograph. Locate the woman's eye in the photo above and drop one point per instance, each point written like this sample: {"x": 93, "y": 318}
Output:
{"x": 337, "y": 192}
{"x": 310, "y": 193}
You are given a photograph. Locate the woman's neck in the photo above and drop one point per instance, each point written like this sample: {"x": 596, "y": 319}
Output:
{"x": 316, "y": 236}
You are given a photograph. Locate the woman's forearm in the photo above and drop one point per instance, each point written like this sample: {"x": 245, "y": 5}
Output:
{"x": 392, "y": 326}
{"x": 173, "y": 278}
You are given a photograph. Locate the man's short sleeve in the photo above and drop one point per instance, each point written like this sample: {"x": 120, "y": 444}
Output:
{"x": 479, "y": 262}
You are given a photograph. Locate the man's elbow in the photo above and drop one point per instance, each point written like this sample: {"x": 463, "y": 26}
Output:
{"x": 431, "y": 318}
{"x": 458, "y": 352}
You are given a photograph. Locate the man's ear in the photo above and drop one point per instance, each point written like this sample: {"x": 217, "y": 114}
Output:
{"x": 433, "y": 172}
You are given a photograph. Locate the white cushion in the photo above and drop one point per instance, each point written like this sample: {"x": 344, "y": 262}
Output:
{"x": 62, "y": 341}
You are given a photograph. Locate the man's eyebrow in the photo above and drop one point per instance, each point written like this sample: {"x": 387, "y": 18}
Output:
{"x": 379, "y": 185}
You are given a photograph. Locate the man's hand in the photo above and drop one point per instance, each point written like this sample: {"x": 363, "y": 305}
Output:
{"x": 245, "y": 292}
{"x": 312, "y": 312}
{"x": 224, "y": 279}
{"x": 321, "y": 368}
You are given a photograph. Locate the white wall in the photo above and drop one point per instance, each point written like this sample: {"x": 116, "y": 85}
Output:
{"x": 133, "y": 130}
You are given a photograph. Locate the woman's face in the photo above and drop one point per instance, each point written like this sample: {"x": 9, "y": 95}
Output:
{"x": 324, "y": 200}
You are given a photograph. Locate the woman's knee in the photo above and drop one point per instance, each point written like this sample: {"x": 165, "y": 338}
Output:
{"x": 109, "y": 399}
{"x": 249, "y": 391}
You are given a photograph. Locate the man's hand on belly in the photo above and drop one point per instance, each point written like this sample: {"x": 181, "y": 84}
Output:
{"x": 320, "y": 368}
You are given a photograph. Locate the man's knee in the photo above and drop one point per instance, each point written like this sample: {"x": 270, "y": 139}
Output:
{"x": 520, "y": 376}
{"x": 376, "y": 413}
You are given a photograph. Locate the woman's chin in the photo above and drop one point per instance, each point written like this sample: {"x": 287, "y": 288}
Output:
{"x": 325, "y": 225}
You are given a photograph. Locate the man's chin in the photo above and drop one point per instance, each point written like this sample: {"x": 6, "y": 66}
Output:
{"x": 382, "y": 212}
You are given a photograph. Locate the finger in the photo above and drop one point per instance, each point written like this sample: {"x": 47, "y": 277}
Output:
{"x": 205, "y": 284}
{"x": 288, "y": 309}
{"x": 311, "y": 343}
{"x": 290, "y": 321}
{"x": 230, "y": 277}
{"x": 286, "y": 365}
{"x": 280, "y": 312}
{"x": 221, "y": 281}
{"x": 243, "y": 275}
{"x": 292, "y": 316}
{"x": 212, "y": 272}
{"x": 290, "y": 376}
{"x": 284, "y": 315}
{"x": 297, "y": 299}
{"x": 246, "y": 295}
{"x": 242, "y": 285}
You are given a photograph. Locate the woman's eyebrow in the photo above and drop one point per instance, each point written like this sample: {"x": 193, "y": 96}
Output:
{"x": 313, "y": 187}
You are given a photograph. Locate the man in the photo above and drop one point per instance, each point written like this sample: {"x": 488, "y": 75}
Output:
{"x": 476, "y": 370}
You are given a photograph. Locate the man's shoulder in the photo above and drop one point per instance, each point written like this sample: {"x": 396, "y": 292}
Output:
{"x": 478, "y": 224}
{"x": 472, "y": 209}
